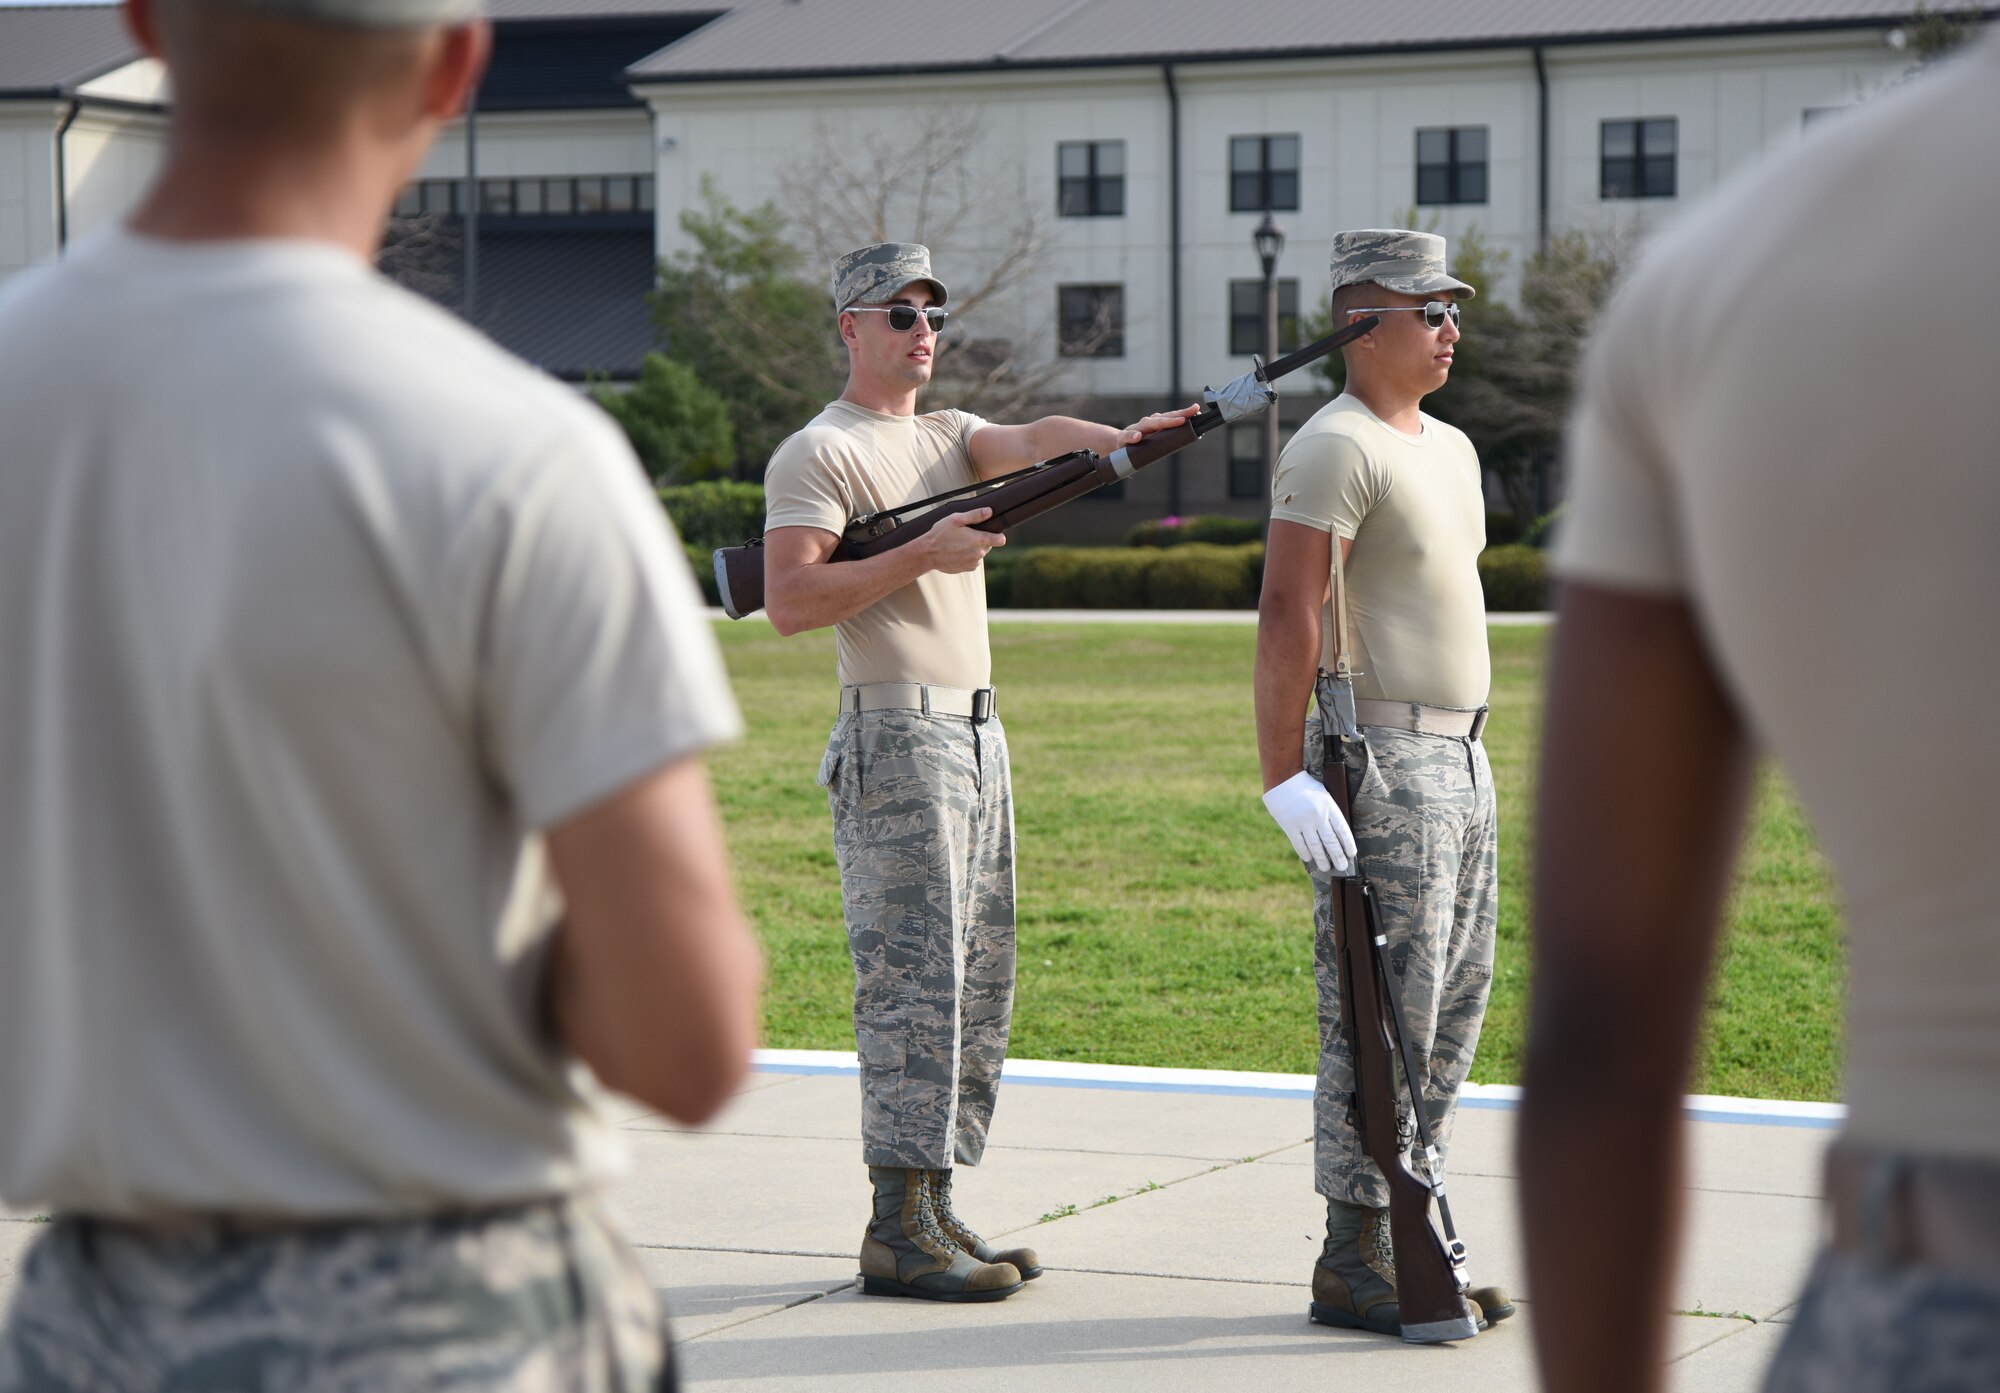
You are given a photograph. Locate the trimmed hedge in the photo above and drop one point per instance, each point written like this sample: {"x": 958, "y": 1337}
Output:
{"x": 1196, "y": 576}
{"x": 1514, "y": 578}
{"x": 1217, "y": 528}
{"x": 715, "y": 512}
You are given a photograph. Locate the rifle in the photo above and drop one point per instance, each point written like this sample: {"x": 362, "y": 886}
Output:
{"x": 1028, "y": 493}
{"x": 1430, "y": 1272}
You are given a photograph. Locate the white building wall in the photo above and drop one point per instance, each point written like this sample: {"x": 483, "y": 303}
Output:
{"x": 110, "y": 157}
{"x": 1734, "y": 100}
{"x": 27, "y": 184}
{"x": 521, "y": 144}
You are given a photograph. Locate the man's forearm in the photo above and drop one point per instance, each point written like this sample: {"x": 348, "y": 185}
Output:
{"x": 1287, "y": 664}
{"x": 1059, "y": 435}
{"x": 814, "y": 596}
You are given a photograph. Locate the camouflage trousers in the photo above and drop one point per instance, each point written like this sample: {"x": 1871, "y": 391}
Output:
{"x": 923, "y": 829}
{"x": 1865, "y": 1326}
{"x": 542, "y": 1296}
{"x": 1425, "y": 827}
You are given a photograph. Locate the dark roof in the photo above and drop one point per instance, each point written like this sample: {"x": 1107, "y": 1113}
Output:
{"x": 799, "y": 38}
{"x": 571, "y": 63}
{"x": 570, "y": 301}
{"x": 52, "y": 48}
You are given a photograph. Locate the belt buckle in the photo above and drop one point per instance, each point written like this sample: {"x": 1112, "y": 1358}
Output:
{"x": 982, "y": 706}
{"x": 1478, "y": 723}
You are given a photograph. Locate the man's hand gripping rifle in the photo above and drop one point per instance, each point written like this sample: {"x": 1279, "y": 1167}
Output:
{"x": 1028, "y": 493}
{"x": 1430, "y": 1271}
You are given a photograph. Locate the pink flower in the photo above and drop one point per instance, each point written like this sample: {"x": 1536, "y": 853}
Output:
{"x": 1170, "y": 522}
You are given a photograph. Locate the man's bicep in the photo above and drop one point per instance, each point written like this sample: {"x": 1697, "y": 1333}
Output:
{"x": 1298, "y": 561}
{"x": 996, "y": 450}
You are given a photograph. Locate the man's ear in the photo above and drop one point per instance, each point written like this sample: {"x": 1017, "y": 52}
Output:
{"x": 459, "y": 68}
{"x": 140, "y": 21}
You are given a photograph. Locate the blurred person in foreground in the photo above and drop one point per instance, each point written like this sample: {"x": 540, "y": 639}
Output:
{"x": 345, "y": 656}
{"x": 1782, "y": 539}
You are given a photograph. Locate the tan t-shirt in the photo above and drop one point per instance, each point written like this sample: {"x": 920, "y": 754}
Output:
{"x": 1787, "y": 420}
{"x": 317, "y": 607}
{"x": 1413, "y": 508}
{"x": 849, "y": 461}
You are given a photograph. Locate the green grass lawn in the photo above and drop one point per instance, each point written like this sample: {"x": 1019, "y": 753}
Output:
{"x": 1163, "y": 919}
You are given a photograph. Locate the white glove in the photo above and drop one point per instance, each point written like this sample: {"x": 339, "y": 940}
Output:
{"x": 1305, "y": 812}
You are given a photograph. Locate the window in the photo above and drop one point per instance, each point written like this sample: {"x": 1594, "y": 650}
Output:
{"x": 562, "y": 196}
{"x": 1090, "y": 179}
{"x": 1638, "y": 158}
{"x": 1246, "y": 316}
{"x": 1263, "y": 172}
{"x": 1091, "y": 321}
{"x": 1451, "y": 165}
{"x": 1246, "y": 460}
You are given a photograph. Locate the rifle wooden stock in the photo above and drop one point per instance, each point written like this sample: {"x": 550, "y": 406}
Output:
{"x": 1430, "y": 1280}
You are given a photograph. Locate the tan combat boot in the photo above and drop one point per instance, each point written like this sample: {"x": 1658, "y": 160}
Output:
{"x": 1358, "y": 1260}
{"x": 1354, "y": 1281}
{"x": 1023, "y": 1259}
{"x": 905, "y": 1253}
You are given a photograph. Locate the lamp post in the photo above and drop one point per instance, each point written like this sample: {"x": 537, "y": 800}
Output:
{"x": 1269, "y": 239}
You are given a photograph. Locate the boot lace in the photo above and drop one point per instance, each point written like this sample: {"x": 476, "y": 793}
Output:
{"x": 954, "y": 1227}
{"x": 1378, "y": 1250}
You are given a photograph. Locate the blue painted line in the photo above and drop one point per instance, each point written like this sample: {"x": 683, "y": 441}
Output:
{"x": 1222, "y": 1090}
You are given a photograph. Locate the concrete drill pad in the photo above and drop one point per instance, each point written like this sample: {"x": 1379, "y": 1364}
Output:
{"x": 1482, "y": 1143}
{"x": 1103, "y": 1333}
{"x": 707, "y": 1291}
{"x": 1043, "y": 1117}
{"x": 810, "y": 1195}
{"x": 1758, "y": 1160}
{"x": 1734, "y": 1364}
{"x": 16, "y": 1235}
{"x": 827, "y": 1106}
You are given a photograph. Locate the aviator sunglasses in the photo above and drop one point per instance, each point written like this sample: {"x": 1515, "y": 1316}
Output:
{"x": 903, "y": 318}
{"x": 1435, "y": 312}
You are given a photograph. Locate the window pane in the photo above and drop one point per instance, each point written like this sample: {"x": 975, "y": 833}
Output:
{"x": 1284, "y": 152}
{"x": 1434, "y": 184}
{"x": 590, "y": 195}
{"x": 1620, "y": 178}
{"x": 1472, "y": 144}
{"x": 527, "y": 195}
{"x": 1619, "y": 139}
{"x": 1472, "y": 183}
{"x": 620, "y": 195}
{"x": 645, "y": 193}
{"x": 1246, "y": 297}
{"x": 1111, "y": 157}
{"x": 437, "y": 196}
{"x": 1246, "y": 193}
{"x": 562, "y": 195}
{"x": 1433, "y": 147}
{"x": 1246, "y": 442}
{"x": 496, "y": 196}
{"x": 1072, "y": 161}
{"x": 1659, "y": 178}
{"x": 1246, "y": 152}
{"x": 1111, "y": 197}
{"x": 1246, "y": 477}
{"x": 1285, "y": 189}
{"x": 1073, "y": 198}
{"x": 409, "y": 201}
{"x": 1660, "y": 137}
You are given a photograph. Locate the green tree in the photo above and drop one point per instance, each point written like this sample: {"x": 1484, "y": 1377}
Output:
{"x": 1514, "y": 374}
{"x": 737, "y": 310}
{"x": 680, "y": 429}
{"x": 1934, "y": 34}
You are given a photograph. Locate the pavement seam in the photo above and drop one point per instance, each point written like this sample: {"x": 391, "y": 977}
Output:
{"x": 1071, "y": 1211}
{"x": 991, "y": 1150}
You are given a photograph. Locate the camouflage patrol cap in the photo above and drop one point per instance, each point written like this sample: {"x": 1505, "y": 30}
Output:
{"x": 365, "y": 14}
{"x": 870, "y": 274}
{"x": 1409, "y": 263}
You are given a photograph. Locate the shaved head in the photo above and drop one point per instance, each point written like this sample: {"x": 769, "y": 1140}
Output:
{"x": 246, "y": 70}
